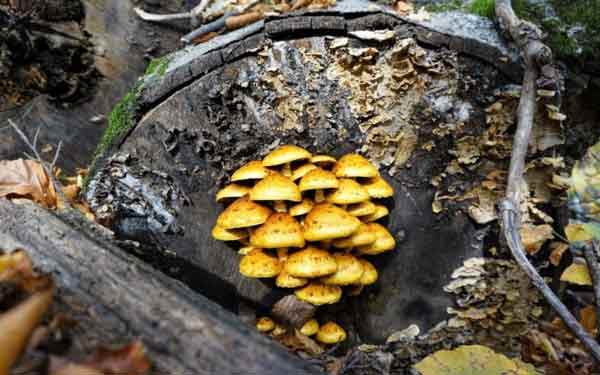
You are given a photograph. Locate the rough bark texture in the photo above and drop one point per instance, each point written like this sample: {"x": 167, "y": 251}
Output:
{"x": 115, "y": 298}
{"x": 234, "y": 98}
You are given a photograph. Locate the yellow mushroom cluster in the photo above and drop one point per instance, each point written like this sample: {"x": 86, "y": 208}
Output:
{"x": 306, "y": 220}
{"x": 328, "y": 333}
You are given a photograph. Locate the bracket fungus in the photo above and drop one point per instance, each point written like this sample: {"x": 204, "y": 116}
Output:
{"x": 344, "y": 217}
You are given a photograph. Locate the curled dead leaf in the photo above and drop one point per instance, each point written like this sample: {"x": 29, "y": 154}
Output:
{"x": 26, "y": 179}
{"x": 534, "y": 236}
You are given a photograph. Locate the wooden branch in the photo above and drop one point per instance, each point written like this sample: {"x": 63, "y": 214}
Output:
{"x": 115, "y": 298}
{"x": 536, "y": 55}
{"x": 591, "y": 257}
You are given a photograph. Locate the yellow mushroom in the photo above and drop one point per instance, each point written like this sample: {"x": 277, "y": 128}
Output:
{"x": 319, "y": 294}
{"x": 310, "y": 327}
{"x": 384, "y": 241}
{"x": 258, "y": 264}
{"x": 310, "y": 262}
{"x": 369, "y": 275}
{"x": 277, "y": 188}
{"x": 363, "y": 236}
{"x": 243, "y": 213}
{"x": 323, "y": 161}
{"x": 265, "y": 324}
{"x": 254, "y": 170}
{"x": 331, "y": 333}
{"x": 285, "y": 155}
{"x": 362, "y": 208}
{"x": 378, "y": 187}
{"x": 232, "y": 191}
{"x": 354, "y": 165}
{"x": 326, "y": 221}
{"x": 318, "y": 179}
{"x": 302, "y": 208}
{"x": 222, "y": 234}
{"x": 349, "y": 270}
{"x": 302, "y": 170}
{"x": 285, "y": 280}
{"x": 380, "y": 211}
{"x": 280, "y": 231}
{"x": 348, "y": 192}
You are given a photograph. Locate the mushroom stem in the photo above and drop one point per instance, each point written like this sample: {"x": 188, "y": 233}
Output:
{"x": 280, "y": 206}
{"x": 319, "y": 196}
{"x": 287, "y": 170}
{"x": 326, "y": 244}
{"x": 282, "y": 254}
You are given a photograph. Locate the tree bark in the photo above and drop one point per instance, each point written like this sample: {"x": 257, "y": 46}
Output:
{"x": 114, "y": 298}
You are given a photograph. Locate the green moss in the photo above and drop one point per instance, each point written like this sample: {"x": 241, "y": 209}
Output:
{"x": 158, "y": 66}
{"x": 483, "y": 8}
{"x": 120, "y": 121}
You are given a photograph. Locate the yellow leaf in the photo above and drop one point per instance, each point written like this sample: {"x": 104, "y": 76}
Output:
{"x": 587, "y": 318}
{"x": 472, "y": 360}
{"x": 577, "y": 232}
{"x": 577, "y": 274}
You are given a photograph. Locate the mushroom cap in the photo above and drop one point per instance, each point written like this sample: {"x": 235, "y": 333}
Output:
{"x": 348, "y": 192}
{"x": 275, "y": 187}
{"x": 265, "y": 324}
{"x": 349, "y": 270}
{"x": 380, "y": 211}
{"x": 285, "y": 280}
{"x": 232, "y": 191}
{"x": 258, "y": 264}
{"x": 280, "y": 230}
{"x": 319, "y": 294}
{"x": 370, "y": 274}
{"x": 302, "y": 208}
{"x": 310, "y": 327}
{"x": 310, "y": 262}
{"x": 302, "y": 170}
{"x": 363, "y": 236}
{"x": 278, "y": 330}
{"x": 243, "y": 213}
{"x": 222, "y": 234}
{"x": 318, "y": 179}
{"x": 285, "y": 154}
{"x": 322, "y": 159}
{"x": 326, "y": 221}
{"x": 362, "y": 208}
{"x": 354, "y": 165}
{"x": 253, "y": 170}
{"x": 378, "y": 187}
{"x": 384, "y": 241}
{"x": 331, "y": 333}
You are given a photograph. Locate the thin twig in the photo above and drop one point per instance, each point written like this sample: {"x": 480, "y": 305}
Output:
{"x": 536, "y": 54}
{"x": 591, "y": 258}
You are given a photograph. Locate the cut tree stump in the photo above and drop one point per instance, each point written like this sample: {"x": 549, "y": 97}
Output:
{"x": 405, "y": 97}
{"x": 115, "y": 298}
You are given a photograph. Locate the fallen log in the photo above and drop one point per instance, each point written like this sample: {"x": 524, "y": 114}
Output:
{"x": 114, "y": 298}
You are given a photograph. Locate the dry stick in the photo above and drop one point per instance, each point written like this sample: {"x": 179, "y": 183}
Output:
{"x": 590, "y": 252}
{"x": 535, "y": 54}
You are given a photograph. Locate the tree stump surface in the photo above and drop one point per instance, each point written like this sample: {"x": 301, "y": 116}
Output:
{"x": 309, "y": 79}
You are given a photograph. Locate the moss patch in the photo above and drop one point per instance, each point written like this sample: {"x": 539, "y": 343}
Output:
{"x": 483, "y": 8}
{"x": 158, "y": 66}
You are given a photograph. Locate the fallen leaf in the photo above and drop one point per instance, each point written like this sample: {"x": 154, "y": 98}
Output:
{"x": 130, "y": 359}
{"x": 576, "y": 274}
{"x": 472, "y": 360}
{"x": 404, "y": 8}
{"x": 557, "y": 250}
{"x": 534, "y": 236}
{"x": 587, "y": 318}
{"x": 18, "y": 323}
{"x": 26, "y": 179}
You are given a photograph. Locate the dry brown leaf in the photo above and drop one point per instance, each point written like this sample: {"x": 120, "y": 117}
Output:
{"x": 404, "y": 8}
{"x": 557, "y": 250}
{"x": 26, "y": 179}
{"x": 59, "y": 366}
{"x": 18, "y": 323}
{"x": 130, "y": 359}
{"x": 534, "y": 236}
{"x": 294, "y": 340}
{"x": 587, "y": 318}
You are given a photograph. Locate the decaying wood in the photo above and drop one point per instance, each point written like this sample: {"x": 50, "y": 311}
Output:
{"x": 292, "y": 311}
{"x": 115, "y": 298}
{"x": 535, "y": 55}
